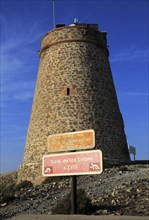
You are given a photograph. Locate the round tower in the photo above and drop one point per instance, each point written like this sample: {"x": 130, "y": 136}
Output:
{"x": 74, "y": 91}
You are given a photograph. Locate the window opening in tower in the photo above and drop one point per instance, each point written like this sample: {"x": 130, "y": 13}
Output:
{"x": 68, "y": 91}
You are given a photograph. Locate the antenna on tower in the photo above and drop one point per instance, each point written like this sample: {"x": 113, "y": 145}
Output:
{"x": 53, "y": 1}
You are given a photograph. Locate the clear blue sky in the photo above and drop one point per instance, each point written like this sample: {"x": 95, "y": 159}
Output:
{"x": 24, "y": 22}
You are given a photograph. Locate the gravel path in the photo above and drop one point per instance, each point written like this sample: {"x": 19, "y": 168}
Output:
{"x": 77, "y": 217}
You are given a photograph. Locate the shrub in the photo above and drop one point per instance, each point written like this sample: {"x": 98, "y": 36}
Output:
{"x": 7, "y": 193}
{"x": 7, "y": 186}
{"x": 84, "y": 205}
{"x": 23, "y": 184}
{"x": 49, "y": 180}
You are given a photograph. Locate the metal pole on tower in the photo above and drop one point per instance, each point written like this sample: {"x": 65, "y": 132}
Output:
{"x": 53, "y": 13}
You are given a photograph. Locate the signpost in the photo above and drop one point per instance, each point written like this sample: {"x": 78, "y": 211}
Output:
{"x": 132, "y": 150}
{"x": 72, "y": 163}
{"x": 76, "y": 163}
{"x": 71, "y": 141}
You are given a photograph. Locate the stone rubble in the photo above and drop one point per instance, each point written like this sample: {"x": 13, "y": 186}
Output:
{"x": 120, "y": 190}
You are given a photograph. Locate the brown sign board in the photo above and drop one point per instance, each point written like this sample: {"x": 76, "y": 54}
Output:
{"x": 74, "y": 163}
{"x": 78, "y": 140}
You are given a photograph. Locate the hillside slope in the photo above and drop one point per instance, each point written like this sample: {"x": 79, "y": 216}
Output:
{"x": 120, "y": 190}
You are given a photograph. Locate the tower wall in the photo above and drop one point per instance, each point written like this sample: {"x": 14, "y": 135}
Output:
{"x": 74, "y": 91}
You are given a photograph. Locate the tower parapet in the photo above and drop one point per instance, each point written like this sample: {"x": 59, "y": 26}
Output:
{"x": 72, "y": 34}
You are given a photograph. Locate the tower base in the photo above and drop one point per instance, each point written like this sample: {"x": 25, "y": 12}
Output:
{"x": 33, "y": 171}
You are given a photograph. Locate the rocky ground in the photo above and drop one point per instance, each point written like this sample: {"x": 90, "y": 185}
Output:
{"x": 120, "y": 190}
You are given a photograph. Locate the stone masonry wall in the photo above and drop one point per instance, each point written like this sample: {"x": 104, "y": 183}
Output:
{"x": 74, "y": 91}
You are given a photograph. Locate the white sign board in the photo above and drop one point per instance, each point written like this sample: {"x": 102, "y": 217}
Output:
{"x": 76, "y": 163}
{"x": 132, "y": 150}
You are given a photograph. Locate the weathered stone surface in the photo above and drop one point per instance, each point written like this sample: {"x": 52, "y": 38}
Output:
{"x": 74, "y": 91}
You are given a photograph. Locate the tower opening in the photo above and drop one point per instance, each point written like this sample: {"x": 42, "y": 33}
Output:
{"x": 68, "y": 91}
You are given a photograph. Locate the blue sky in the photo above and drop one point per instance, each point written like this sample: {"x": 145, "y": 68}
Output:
{"x": 24, "y": 22}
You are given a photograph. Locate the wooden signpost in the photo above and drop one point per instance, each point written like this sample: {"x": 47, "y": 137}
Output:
{"x": 73, "y": 163}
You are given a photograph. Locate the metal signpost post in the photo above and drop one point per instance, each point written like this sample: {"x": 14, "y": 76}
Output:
{"x": 72, "y": 163}
{"x": 74, "y": 195}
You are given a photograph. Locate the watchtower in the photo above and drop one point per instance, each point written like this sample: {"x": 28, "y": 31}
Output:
{"x": 74, "y": 91}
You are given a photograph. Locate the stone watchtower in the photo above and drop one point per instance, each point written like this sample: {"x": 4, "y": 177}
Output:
{"x": 74, "y": 91}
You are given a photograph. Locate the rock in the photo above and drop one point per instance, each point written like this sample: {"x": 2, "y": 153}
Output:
{"x": 120, "y": 172}
{"x": 113, "y": 202}
{"x": 105, "y": 211}
{"x": 4, "y": 204}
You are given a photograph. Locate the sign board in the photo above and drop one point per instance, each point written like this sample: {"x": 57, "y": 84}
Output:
{"x": 132, "y": 150}
{"x": 71, "y": 141}
{"x": 76, "y": 163}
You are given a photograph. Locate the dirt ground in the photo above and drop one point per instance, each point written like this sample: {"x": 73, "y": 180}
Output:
{"x": 78, "y": 217}
{"x": 118, "y": 193}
